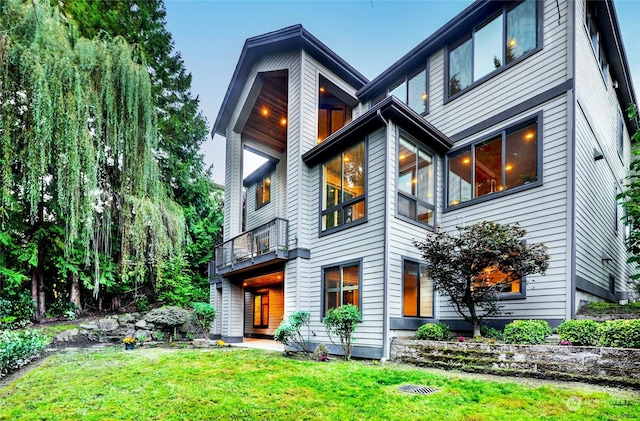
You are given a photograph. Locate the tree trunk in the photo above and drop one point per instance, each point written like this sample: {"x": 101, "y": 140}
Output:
{"x": 41, "y": 296}
{"x": 34, "y": 293}
{"x": 74, "y": 293}
{"x": 476, "y": 328}
{"x": 115, "y": 302}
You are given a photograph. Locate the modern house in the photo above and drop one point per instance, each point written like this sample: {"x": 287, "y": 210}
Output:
{"x": 511, "y": 112}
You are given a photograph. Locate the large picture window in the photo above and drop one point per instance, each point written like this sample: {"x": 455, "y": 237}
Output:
{"x": 502, "y": 282}
{"x": 416, "y": 186}
{"x": 343, "y": 188}
{"x": 417, "y": 291}
{"x": 500, "y": 40}
{"x": 341, "y": 285}
{"x": 504, "y": 161}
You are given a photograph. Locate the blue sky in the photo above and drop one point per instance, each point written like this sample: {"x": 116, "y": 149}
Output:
{"x": 369, "y": 34}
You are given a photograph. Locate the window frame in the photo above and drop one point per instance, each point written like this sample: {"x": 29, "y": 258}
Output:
{"x": 520, "y": 295}
{"x": 260, "y": 183}
{"x": 597, "y": 49}
{"x": 261, "y": 294}
{"x": 620, "y": 136}
{"x": 404, "y": 260}
{"x": 341, "y": 206}
{"x": 503, "y": 132}
{"x": 404, "y": 81}
{"x": 341, "y": 266}
{"x": 502, "y": 10}
{"x": 434, "y": 206}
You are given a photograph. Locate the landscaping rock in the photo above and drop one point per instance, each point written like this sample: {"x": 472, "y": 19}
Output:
{"x": 89, "y": 326}
{"x": 141, "y": 324}
{"x": 67, "y": 336}
{"x": 107, "y": 325}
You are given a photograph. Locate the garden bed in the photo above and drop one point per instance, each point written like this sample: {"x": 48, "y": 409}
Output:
{"x": 600, "y": 365}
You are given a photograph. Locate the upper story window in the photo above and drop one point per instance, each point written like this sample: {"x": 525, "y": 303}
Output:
{"x": 341, "y": 285}
{"x": 416, "y": 182}
{"x": 263, "y": 191}
{"x": 412, "y": 90}
{"x": 333, "y": 113}
{"x": 594, "y": 35}
{"x": 502, "y": 39}
{"x": 505, "y": 161}
{"x": 343, "y": 189}
{"x": 620, "y": 135}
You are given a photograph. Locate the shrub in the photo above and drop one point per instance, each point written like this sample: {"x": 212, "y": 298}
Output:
{"x": 342, "y": 322}
{"x": 433, "y": 332}
{"x": 620, "y": 333}
{"x": 16, "y": 311}
{"x": 321, "y": 353}
{"x": 526, "y": 332}
{"x": 288, "y": 333}
{"x": 18, "y": 348}
{"x": 142, "y": 303}
{"x": 579, "y": 332}
{"x": 491, "y": 333}
{"x": 204, "y": 314}
{"x": 170, "y": 317}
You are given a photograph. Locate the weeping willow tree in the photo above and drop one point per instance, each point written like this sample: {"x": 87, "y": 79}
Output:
{"x": 79, "y": 184}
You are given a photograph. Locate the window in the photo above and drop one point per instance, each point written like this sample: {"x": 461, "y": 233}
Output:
{"x": 620, "y": 135}
{"x": 493, "y": 276}
{"x": 612, "y": 284}
{"x": 416, "y": 187}
{"x": 343, "y": 193}
{"x": 502, "y": 162}
{"x": 417, "y": 290}
{"x": 341, "y": 285}
{"x": 261, "y": 310}
{"x": 493, "y": 44}
{"x": 263, "y": 191}
{"x": 412, "y": 90}
{"x": 333, "y": 113}
{"x": 594, "y": 35}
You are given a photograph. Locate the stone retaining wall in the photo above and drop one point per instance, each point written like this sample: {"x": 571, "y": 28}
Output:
{"x": 613, "y": 366}
{"x": 115, "y": 328}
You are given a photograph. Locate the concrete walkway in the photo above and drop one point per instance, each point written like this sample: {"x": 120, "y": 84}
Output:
{"x": 265, "y": 344}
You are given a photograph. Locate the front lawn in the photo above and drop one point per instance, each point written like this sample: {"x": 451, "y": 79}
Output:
{"x": 166, "y": 384}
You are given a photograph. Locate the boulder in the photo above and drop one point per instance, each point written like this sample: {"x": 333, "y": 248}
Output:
{"x": 108, "y": 324}
{"x": 89, "y": 326}
{"x": 67, "y": 335}
{"x": 141, "y": 324}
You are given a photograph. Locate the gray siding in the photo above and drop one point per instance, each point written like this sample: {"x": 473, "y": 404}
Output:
{"x": 359, "y": 242}
{"x": 598, "y": 232}
{"x": 266, "y": 213}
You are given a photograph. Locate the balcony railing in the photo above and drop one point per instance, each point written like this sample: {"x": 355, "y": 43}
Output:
{"x": 261, "y": 244}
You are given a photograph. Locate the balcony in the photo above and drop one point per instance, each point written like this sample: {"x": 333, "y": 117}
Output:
{"x": 261, "y": 246}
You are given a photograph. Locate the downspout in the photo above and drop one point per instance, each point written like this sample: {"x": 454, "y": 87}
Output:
{"x": 385, "y": 265}
{"x": 571, "y": 26}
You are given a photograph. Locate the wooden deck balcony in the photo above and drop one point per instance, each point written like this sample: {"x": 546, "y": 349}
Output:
{"x": 260, "y": 246}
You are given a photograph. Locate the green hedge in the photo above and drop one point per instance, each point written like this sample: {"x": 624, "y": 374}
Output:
{"x": 579, "y": 332}
{"x": 526, "y": 332}
{"x": 433, "y": 332}
{"x": 18, "y": 348}
{"x": 620, "y": 333}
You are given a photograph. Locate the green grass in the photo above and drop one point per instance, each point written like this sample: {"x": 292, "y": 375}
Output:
{"x": 54, "y": 329}
{"x": 168, "y": 384}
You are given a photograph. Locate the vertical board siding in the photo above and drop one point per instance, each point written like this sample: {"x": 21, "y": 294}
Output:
{"x": 276, "y": 310}
{"x": 598, "y": 232}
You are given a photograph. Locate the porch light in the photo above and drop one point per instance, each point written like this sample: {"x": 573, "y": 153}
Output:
{"x": 529, "y": 135}
{"x": 321, "y": 89}
{"x": 265, "y": 111}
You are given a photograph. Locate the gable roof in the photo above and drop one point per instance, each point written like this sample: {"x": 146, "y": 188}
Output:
{"x": 289, "y": 38}
{"x": 390, "y": 107}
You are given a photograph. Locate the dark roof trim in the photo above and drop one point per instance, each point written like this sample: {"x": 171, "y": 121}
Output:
{"x": 389, "y": 108}
{"x": 284, "y": 39}
{"x": 620, "y": 67}
{"x": 418, "y": 55}
{"x": 257, "y": 175}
